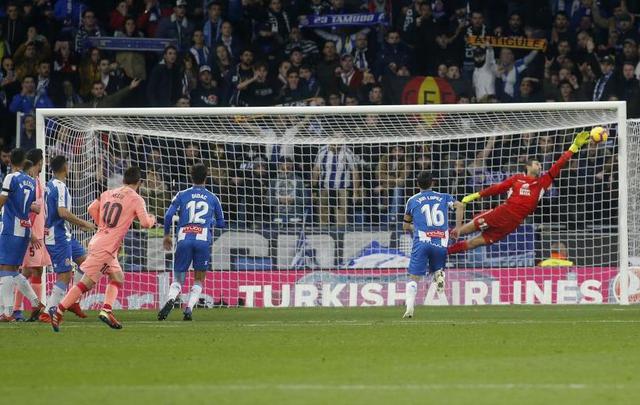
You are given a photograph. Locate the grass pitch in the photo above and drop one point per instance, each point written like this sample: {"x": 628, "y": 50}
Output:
{"x": 469, "y": 355}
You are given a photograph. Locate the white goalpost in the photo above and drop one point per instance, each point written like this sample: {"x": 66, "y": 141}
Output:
{"x": 314, "y": 197}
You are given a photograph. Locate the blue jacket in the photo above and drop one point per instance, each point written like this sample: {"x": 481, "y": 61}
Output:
{"x": 25, "y": 104}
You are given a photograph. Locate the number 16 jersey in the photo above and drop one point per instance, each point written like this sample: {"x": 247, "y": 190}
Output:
{"x": 430, "y": 214}
{"x": 114, "y": 212}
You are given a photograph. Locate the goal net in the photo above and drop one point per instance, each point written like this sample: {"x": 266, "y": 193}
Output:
{"x": 314, "y": 199}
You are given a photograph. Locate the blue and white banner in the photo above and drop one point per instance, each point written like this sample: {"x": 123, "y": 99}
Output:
{"x": 342, "y": 20}
{"x": 131, "y": 44}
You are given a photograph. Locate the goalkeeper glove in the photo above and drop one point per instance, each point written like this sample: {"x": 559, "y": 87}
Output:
{"x": 470, "y": 197}
{"x": 579, "y": 141}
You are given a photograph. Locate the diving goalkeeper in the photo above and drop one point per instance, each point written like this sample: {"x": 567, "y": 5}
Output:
{"x": 524, "y": 191}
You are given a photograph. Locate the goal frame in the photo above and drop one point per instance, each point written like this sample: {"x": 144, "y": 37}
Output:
{"x": 619, "y": 106}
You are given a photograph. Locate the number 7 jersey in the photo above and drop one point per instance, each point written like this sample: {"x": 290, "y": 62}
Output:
{"x": 114, "y": 212}
{"x": 430, "y": 213}
{"x": 198, "y": 210}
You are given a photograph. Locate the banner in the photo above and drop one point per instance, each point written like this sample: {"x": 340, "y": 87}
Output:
{"x": 131, "y": 44}
{"x": 428, "y": 90}
{"x": 379, "y": 287}
{"x": 342, "y": 20}
{"x": 508, "y": 42}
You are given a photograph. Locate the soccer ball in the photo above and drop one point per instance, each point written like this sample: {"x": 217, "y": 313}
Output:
{"x": 599, "y": 134}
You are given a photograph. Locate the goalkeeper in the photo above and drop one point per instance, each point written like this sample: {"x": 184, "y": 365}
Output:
{"x": 524, "y": 191}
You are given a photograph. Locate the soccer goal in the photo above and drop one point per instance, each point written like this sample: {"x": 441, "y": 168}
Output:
{"x": 314, "y": 199}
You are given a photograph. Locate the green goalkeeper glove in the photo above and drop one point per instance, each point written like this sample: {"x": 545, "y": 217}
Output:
{"x": 580, "y": 140}
{"x": 470, "y": 197}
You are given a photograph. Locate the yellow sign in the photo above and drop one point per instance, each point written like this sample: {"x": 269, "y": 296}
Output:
{"x": 508, "y": 42}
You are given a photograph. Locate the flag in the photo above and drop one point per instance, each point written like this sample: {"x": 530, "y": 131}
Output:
{"x": 305, "y": 256}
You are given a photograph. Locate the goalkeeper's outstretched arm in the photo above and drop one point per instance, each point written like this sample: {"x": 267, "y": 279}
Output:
{"x": 579, "y": 141}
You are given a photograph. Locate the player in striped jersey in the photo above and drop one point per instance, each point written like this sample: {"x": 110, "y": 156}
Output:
{"x": 17, "y": 202}
{"x": 198, "y": 210}
{"x": 61, "y": 245}
{"x": 36, "y": 257}
{"x": 426, "y": 217}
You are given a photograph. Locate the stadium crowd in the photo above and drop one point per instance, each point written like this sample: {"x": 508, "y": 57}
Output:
{"x": 263, "y": 52}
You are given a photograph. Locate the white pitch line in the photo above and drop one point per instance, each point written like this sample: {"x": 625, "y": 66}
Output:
{"x": 356, "y": 387}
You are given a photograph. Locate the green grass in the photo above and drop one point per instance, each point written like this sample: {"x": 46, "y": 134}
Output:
{"x": 467, "y": 355}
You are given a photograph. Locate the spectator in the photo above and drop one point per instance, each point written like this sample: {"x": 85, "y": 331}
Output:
{"x": 164, "y": 87}
{"x": 375, "y": 95}
{"x": 189, "y": 79}
{"x": 199, "y": 50}
{"x": 326, "y": 68}
{"x": 5, "y": 48}
{"x": 111, "y": 76}
{"x": 292, "y": 93}
{"x": 89, "y": 28}
{"x": 393, "y": 172}
{"x": 559, "y": 256}
{"x": 118, "y": 16}
{"x": 15, "y": 32}
{"x": 44, "y": 77}
{"x": 484, "y": 78}
{"x": 509, "y": 71}
{"x": 476, "y": 27}
{"x": 630, "y": 90}
{"x": 259, "y": 90}
{"x": 5, "y": 161}
{"x": 28, "y": 134}
{"x": 207, "y": 93}
{"x": 287, "y": 194}
{"x": 279, "y": 20}
{"x": 308, "y": 48}
{"x": 393, "y": 54}
{"x": 283, "y": 68}
{"x": 230, "y": 41}
{"x": 350, "y": 76}
{"x": 28, "y": 100}
{"x": 89, "y": 71}
{"x": 183, "y": 101}
{"x": 99, "y": 98}
{"x": 607, "y": 84}
{"x": 363, "y": 56}
{"x": 212, "y": 29}
{"x": 309, "y": 81}
{"x": 64, "y": 64}
{"x": 148, "y": 20}
{"x": 177, "y": 26}
{"x": 68, "y": 98}
{"x": 133, "y": 63}
{"x": 242, "y": 71}
{"x": 9, "y": 84}
{"x": 335, "y": 181}
{"x": 334, "y": 99}
{"x": 461, "y": 86}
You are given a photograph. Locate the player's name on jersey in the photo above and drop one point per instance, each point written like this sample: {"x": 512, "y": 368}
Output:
{"x": 508, "y": 42}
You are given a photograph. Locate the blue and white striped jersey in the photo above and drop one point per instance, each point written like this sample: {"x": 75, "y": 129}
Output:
{"x": 430, "y": 213}
{"x": 20, "y": 190}
{"x": 56, "y": 196}
{"x": 198, "y": 210}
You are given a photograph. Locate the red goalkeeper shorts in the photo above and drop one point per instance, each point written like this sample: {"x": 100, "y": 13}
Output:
{"x": 497, "y": 223}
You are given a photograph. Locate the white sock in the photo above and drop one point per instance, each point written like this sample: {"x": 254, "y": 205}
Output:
{"x": 25, "y": 288}
{"x": 194, "y": 296}
{"x": 57, "y": 294}
{"x": 411, "y": 292}
{"x": 77, "y": 276}
{"x": 6, "y": 294}
{"x": 174, "y": 289}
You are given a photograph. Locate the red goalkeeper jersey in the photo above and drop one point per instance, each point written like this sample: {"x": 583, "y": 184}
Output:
{"x": 525, "y": 192}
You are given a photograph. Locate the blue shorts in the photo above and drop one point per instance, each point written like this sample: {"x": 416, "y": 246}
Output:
{"x": 188, "y": 251}
{"x": 13, "y": 249}
{"x": 425, "y": 255}
{"x": 64, "y": 253}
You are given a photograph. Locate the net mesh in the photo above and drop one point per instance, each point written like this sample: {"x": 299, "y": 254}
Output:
{"x": 314, "y": 202}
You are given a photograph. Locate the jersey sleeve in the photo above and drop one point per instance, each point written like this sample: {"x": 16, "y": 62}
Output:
{"x": 94, "y": 211}
{"x": 61, "y": 201}
{"x": 146, "y": 220}
{"x": 450, "y": 201}
{"x": 6, "y": 185}
{"x": 409, "y": 207}
{"x": 171, "y": 211}
{"x": 499, "y": 188}
{"x": 554, "y": 171}
{"x": 219, "y": 215}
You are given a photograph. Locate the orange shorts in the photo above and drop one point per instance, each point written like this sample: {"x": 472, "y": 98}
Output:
{"x": 36, "y": 257}
{"x": 99, "y": 263}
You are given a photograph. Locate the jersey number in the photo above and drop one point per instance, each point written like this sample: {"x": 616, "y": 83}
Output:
{"x": 27, "y": 193}
{"x": 197, "y": 210}
{"x": 111, "y": 214}
{"x": 433, "y": 215}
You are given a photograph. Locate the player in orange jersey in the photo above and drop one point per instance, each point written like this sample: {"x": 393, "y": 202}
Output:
{"x": 114, "y": 212}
